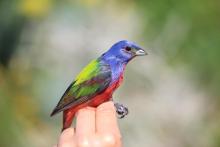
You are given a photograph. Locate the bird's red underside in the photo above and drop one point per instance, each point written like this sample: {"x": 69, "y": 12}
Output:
{"x": 68, "y": 114}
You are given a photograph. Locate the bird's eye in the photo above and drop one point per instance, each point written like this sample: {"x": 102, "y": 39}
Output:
{"x": 128, "y": 48}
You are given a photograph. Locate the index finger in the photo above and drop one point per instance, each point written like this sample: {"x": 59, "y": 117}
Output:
{"x": 67, "y": 138}
{"x": 85, "y": 123}
{"x": 106, "y": 120}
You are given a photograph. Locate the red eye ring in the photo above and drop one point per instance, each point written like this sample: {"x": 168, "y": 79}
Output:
{"x": 127, "y": 48}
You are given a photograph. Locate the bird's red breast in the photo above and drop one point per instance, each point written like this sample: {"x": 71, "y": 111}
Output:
{"x": 94, "y": 102}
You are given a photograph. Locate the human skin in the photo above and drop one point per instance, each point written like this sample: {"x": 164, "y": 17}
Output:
{"x": 95, "y": 127}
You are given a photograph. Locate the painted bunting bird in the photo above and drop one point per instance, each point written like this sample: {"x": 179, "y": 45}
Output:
{"x": 96, "y": 83}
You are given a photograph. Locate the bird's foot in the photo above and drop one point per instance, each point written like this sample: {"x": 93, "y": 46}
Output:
{"x": 121, "y": 110}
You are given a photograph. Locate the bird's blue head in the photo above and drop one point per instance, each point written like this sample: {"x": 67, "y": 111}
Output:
{"x": 124, "y": 51}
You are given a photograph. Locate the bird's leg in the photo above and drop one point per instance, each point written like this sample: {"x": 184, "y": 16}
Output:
{"x": 121, "y": 110}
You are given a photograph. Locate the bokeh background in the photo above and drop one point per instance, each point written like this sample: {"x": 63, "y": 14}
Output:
{"x": 173, "y": 94}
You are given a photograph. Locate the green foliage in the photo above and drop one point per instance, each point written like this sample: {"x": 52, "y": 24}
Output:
{"x": 11, "y": 25}
{"x": 199, "y": 47}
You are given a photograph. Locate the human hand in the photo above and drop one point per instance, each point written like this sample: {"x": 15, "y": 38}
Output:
{"x": 95, "y": 127}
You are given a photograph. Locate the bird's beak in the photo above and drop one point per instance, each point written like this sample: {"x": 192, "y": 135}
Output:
{"x": 140, "y": 52}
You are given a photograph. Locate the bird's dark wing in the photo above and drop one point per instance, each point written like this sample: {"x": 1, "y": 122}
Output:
{"x": 93, "y": 79}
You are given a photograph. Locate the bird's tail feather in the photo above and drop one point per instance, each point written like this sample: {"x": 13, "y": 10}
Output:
{"x": 67, "y": 118}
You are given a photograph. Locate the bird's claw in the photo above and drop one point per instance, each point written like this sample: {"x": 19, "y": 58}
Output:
{"x": 121, "y": 110}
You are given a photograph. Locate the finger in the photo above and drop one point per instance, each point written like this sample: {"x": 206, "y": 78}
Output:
{"x": 106, "y": 120}
{"x": 67, "y": 138}
{"x": 85, "y": 122}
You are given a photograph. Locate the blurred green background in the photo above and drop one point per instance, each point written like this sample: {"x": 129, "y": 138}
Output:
{"x": 173, "y": 93}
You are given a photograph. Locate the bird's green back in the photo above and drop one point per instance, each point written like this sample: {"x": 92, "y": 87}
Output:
{"x": 93, "y": 79}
